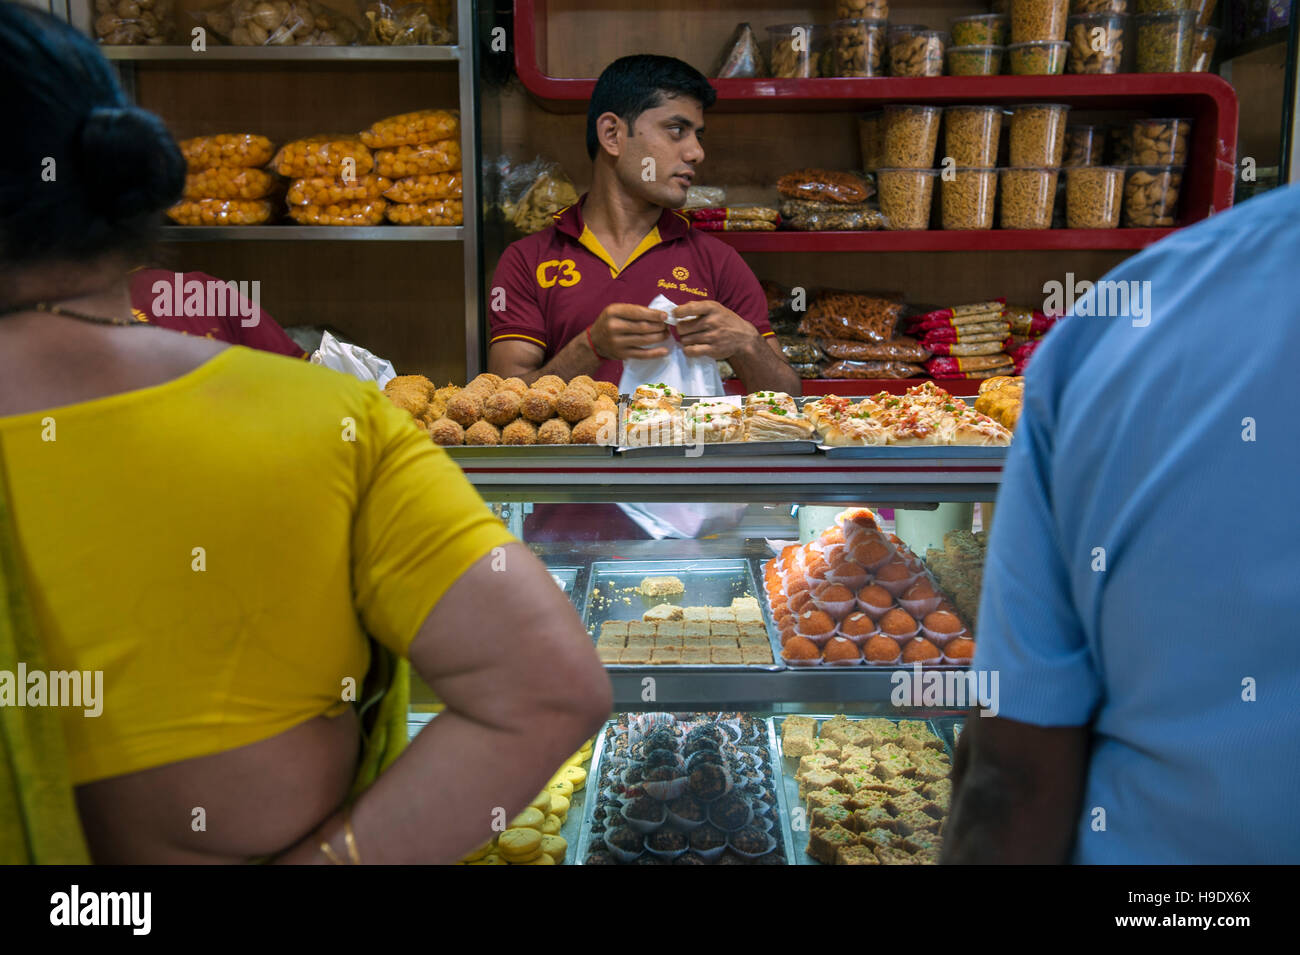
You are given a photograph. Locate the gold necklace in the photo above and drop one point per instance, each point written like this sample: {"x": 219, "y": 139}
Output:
{"x": 82, "y": 316}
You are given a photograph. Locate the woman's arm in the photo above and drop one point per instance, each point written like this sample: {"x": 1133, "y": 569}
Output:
{"x": 507, "y": 653}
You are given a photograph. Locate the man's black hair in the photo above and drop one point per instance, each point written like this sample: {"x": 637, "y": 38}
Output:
{"x": 633, "y": 84}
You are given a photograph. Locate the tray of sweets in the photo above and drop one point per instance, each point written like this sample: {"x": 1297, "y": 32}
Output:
{"x": 711, "y": 617}
{"x": 685, "y": 789}
{"x": 884, "y": 803}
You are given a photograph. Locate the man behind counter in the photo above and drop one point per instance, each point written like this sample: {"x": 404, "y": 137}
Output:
{"x": 623, "y": 243}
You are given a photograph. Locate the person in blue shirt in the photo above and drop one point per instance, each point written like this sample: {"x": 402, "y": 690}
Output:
{"x": 1142, "y": 588}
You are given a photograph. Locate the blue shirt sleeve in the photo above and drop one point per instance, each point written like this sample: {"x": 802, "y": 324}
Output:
{"x": 1029, "y": 631}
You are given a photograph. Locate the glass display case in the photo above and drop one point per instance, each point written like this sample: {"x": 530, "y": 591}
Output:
{"x": 674, "y": 564}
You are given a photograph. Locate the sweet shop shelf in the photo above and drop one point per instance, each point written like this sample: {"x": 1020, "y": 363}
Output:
{"x": 246, "y": 55}
{"x": 302, "y": 233}
{"x": 938, "y": 240}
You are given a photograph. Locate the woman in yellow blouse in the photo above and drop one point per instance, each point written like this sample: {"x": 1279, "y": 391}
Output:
{"x": 217, "y": 531}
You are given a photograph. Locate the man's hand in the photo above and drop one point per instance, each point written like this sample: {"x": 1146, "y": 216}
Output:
{"x": 624, "y": 331}
{"x": 709, "y": 329}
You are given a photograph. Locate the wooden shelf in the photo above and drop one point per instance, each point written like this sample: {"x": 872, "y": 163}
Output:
{"x": 303, "y": 233}
{"x": 936, "y": 240}
{"x": 246, "y": 55}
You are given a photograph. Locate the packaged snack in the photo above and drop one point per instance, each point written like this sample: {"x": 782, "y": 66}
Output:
{"x": 1164, "y": 42}
{"x": 1151, "y": 196}
{"x": 811, "y": 216}
{"x": 901, "y": 348}
{"x": 220, "y": 212}
{"x": 905, "y": 197}
{"x": 735, "y": 225}
{"x": 911, "y": 135}
{"x": 805, "y": 371}
{"x": 281, "y": 23}
{"x": 1160, "y": 142}
{"x": 741, "y": 58}
{"x": 331, "y": 157}
{"x": 226, "y": 149}
{"x": 858, "y": 47}
{"x": 971, "y": 133}
{"x": 1037, "y": 59}
{"x": 797, "y": 51}
{"x": 1037, "y": 134}
{"x": 735, "y": 213}
{"x": 916, "y": 51}
{"x": 858, "y": 316}
{"x": 982, "y": 29}
{"x": 1028, "y": 197}
{"x": 1117, "y": 7}
{"x": 966, "y": 199}
{"x": 1096, "y": 43}
{"x": 437, "y": 185}
{"x": 872, "y": 9}
{"x": 979, "y": 366}
{"x": 702, "y": 197}
{"x": 967, "y": 349}
{"x": 546, "y": 194}
{"x": 327, "y": 190}
{"x": 799, "y": 350}
{"x": 824, "y": 184}
{"x": 1026, "y": 321}
{"x": 1092, "y": 196}
{"x": 362, "y": 212}
{"x": 437, "y": 212}
{"x": 413, "y": 24}
{"x": 418, "y": 160}
{"x": 975, "y": 60}
{"x": 407, "y": 129}
{"x": 871, "y": 369}
{"x": 1084, "y": 146}
{"x": 1038, "y": 21}
{"x": 959, "y": 314}
{"x": 1203, "y": 43}
{"x": 228, "y": 182}
{"x": 133, "y": 22}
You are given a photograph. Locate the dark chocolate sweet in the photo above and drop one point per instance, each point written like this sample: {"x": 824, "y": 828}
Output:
{"x": 625, "y": 839}
{"x": 688, "y": 808}
{"x": 600, "y": 857}
{"x": 690, "y": 858}
{"x": 707, "y": 781}
{"x": 730, "y": 812}
{"x": 750, "y": 839}
{"x": 645, "y": 809}
{"x": 666, "y": 840}
{"x": 707, "y": 837}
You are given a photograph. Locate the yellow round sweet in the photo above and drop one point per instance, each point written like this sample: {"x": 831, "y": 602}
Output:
{"x": 480, "y": 852}
{"x": 576, "y": 775}
{"x": 560, "y": 804}
{"x": 561, "y": 786}
{"x": 555, "y": 847}
{"x": 530, "y": 818}
{"x": 542, "y": 859}
{"x": 551, "y": 826}
{"x": 542, "y": 802}
{"x": 519, "y": 845}
{"x": 491, "y": 858}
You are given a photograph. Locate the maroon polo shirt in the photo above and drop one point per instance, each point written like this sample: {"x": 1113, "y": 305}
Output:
{"x": 550, "y": 287}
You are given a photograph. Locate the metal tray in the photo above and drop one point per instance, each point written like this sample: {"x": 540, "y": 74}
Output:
{"x": 597, "y": 773}
{"x": 708, "y": 582}
{"x": 892, "y": 452}
{"x": 530, "y": 451}
{"x": 721, "y": 449}
{"x": 949, "y": 728}
{"x": 788, "y": 766}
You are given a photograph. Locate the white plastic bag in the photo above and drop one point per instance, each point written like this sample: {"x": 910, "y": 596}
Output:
{"x": 353, "y": 360}
{"x": 695, "y": 377}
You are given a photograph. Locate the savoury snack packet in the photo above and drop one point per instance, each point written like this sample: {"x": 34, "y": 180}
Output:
{"x": 426, "y": 188}
{"x": 440, "y": 212}
{"x": 408, "y": 129}
{"x": 825, "y": 184}
{"x": 896, "y": 349}
{"x": 226, "y": 149}
{"x": 742, "y": 58}
{"x": 360, "y": 213}
{"x": 871, "y": 369}
{"x": 854, "y": 315}
{"x": 220, "y": 212}
{"x": 333, "y": 157}
{"x": 980, "y": 366}
{"x": 418, "y": 160}
{"x": 228, "y": 182}
{"x": 967, "y": 349}
{"x": 327, "y": 190}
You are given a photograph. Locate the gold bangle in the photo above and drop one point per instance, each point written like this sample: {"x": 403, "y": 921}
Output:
{"x": 350, "y": 838}
{"x": 330, "y": 853}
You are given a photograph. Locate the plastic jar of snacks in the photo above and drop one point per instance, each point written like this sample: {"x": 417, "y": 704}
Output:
{"x": 226, "y": 149}
{"x": 1164, "y": 42}
{"x": 1038, "y": 21}
{"x": 1028, "y": 196}
{"x": 1037, "y": 59}
{"x": 1037, "y": 134}
{"x": 1160, "y": 142}
{"x": 911, "y": 135}
{"x": 1151, "y": 196}
{"x": 975, "y": 60}
{"x": 1096, "y": 43}
{"x": 966, "y": 198}
{"x": 220, "y": 212}
{"x": 1116, "y": 7}
{"x": 1119, "y": 144}
{"x": 905, "y": 196}
{"x": 870, "y": 9}
{"x": 1165, "y": 6}
{"x": 1085, "y": 146}
{"x": 1204, "y": 40}
{"x": 858, "y": 47}
{"x": 796, "y": 50}
{"x": 982, "y": 29}
{"x": 1092, "y": 197}
{"x": 228, "y": 182}
{"x": 916, "y": 51}
{"x": 361, "y": 212}
{"x": 970, "y": 135}
{"x": 1204, "y": 10}
{"x": 871, "y": 137}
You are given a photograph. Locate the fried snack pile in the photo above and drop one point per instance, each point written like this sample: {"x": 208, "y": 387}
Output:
{"x": 491, "y": 410}
{"x": 1001, "y": 399}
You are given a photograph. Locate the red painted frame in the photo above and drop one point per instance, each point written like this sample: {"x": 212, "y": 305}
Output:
{"x": 1204, "y": 97}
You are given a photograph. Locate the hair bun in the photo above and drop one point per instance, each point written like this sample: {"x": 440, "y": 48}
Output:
{"x": 128, "y": 163}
